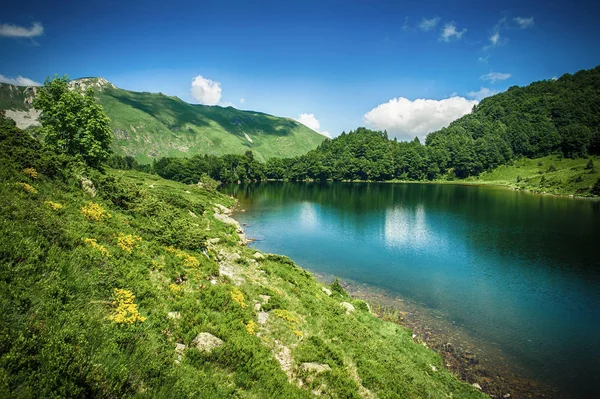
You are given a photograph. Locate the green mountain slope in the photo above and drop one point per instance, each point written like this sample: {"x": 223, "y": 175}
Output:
{"x": 150, "y": 125}
{"x": 127, "y": 285}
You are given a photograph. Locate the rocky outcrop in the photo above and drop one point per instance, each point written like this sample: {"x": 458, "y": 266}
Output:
{"x": 348, "y": 306}
{"x": 222, "y": 213}
{"x": 315, "y": 368}
{"x": 206, "y": 342}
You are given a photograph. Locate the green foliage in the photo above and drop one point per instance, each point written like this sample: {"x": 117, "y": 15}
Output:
{"x": 72, "y": 122}
{"x": 59, "y": 271}
{"x": 338, "y": 289}
{"x": 596, "y": 187}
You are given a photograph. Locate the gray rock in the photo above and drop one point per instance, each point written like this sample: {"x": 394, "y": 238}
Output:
{"x": 264, "y": 298}
{"x": 258, "y": 255}
{"x": 326, "y": 290}
{"x": 263, "y": 317}
{"x": 206, "y": 342}
{"x": 315, "y": 367}
{"x": 476, "y": 385}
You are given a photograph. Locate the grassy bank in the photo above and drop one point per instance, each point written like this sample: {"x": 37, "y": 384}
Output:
{"x": 111, "y": 282}
{"x": 551, "y": 175}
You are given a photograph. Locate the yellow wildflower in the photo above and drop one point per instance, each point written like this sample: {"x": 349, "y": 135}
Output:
{"x": 175, "y": 288}
{"x": 238, "y": 297}
{"x": 31, "y": 172}
{"x": 128, "y": 242}
{"x": 92, "y": 242}
{"x": 94, "y": 212}
{"x": 251, "y": 327}
{"x": 55, "y": 206}
{"x": 188, "y": 260}
{"x": 30, "y": 189}
{"x": 299, "y": 333}
{"x": 126, "y": 311}
{"x": 286, "y": 315}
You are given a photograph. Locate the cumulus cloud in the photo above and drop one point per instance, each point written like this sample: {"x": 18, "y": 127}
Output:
{"x": 493, "y": 77}
{"x": 8, "y": 30}
{"x": 19, "y": 81}
{"x": 206, "y": 91}
{"x": 450, "y": 32}
{"x": 310, "y": 121}
{"x": 524, "y": 23}
{"x": 428, "y": 24}
{"x": 482, "y": 93}
{"x": 406, "y": 119}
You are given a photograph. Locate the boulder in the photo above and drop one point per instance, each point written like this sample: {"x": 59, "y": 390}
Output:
{"x": 263, "y": 317}
{"x": 174, "y": 315}
{"x": 326, "y": 290}
{"x": 348, "y": 306}
{"x": 258, "y": 255}
{"x": 206, "y": 342}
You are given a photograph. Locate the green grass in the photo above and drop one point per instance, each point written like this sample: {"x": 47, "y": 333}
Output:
{"x": 551, "y": 174}
{"x": 56, "y": 299}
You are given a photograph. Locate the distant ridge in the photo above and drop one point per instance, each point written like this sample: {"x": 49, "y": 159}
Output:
{"x": 148, "y": 126}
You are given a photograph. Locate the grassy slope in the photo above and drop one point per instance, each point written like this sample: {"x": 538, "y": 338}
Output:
{"x": 561, "y": 176}
{"x": 56, "y": 294}
{"x": 149, "y": 125}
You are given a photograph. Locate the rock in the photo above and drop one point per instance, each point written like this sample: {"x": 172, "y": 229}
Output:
{"x": 88, "y": 186}
{"x": 257, "y": 306}
{"x": 187, "y": 192}
{"x": 326, "y": 290}
{"x": 206, "y": 342}
{"x": 222, "y": 209}
{"x": 258, "y": 255}
{"x": 263, "y": 317}
{"x": 213, "y": 281}
{"x": 348, "y": 306}
{"x": 214, "y": 240}
{"x": 433, "y": 368}
{"x": 174, "y": 315}
{"x": 284, "y": 357}
{"x": 476, "y": 385}
{"x": 192, "y": 214}
{"x": 506, "y": 396}
{"x": 179, "y": 349}
{"x": 316, "y": 368}
{"x": 414, "y": 336}
{"x": 264, "y": 298}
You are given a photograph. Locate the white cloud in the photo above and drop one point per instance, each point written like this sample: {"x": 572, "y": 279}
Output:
{"x": 19, "y": 81}
{"x": 242, "y": 100}
{"x": 450, "y": 31}
{"x": 428, "y": 24}
{"x": 493, "y": 77}
{"x": 482, "y": 93}
{"x": 406, "y": 119}
{"x": 524, "y": 23}
{"x": 206, "y": 91}
{"x": 311, "y": 122}
{"x": 8, "y": 30}
{"x": 484, "y": 59}
{"x": 495, "y": 38}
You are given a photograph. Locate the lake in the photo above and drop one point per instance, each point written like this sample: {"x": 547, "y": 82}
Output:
{"x": 516, "y": 270}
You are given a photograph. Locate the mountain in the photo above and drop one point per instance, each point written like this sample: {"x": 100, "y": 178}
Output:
{"x": 154, "y": 125}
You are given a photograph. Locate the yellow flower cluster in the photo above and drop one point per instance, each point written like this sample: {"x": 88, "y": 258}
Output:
{"x": 188, "y": 260}
{"x": 55, "y": 206}
{"x": 175, "y": 288}
{"x": 238, "y": 297}
{"x": 291, "y": 321}
{"x": 92, "y": 242}
{"x": 94, "y": 212}
{"x": 31, "y": 172}
{"x": 30, "y": 189}
{"x": 128, "y": 242}
{"x": 126, "y": 311}
{"x": 251, "y": 327}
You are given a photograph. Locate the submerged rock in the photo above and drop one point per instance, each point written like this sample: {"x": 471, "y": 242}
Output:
{"x": 206, "y": 342}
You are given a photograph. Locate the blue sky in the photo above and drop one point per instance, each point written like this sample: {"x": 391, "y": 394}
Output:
{"x": 408, "y": 67}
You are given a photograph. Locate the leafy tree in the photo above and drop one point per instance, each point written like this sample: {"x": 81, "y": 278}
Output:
{"x": 72, "y": 122}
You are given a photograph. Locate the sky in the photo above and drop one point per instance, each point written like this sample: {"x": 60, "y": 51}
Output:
{"x": 409, "y": 67}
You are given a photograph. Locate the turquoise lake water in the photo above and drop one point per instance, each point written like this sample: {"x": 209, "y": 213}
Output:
{"x": 518, "y": 270}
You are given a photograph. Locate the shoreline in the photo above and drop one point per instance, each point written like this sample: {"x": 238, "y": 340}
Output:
{"x": 470, "y": 361}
